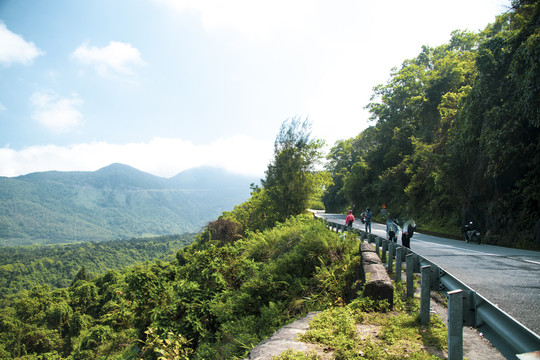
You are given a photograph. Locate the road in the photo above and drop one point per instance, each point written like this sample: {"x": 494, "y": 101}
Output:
{"x": 509, "y": 278}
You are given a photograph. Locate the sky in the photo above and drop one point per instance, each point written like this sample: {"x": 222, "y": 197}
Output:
{"x": 167, "y": 85}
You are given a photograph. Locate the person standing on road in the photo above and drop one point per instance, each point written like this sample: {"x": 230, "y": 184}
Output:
{"x": 369, "y": 215}
{"x": 349, "y": 219}
{"x": 408, "y": 231}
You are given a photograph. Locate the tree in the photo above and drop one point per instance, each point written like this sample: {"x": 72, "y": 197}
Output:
{"x": 291, "y": 178}
{"x": 457, "y": 134}
{"x": 497, "y": 134}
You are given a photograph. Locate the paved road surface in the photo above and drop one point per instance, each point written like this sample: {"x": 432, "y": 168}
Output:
{"x": 509, "y": 278}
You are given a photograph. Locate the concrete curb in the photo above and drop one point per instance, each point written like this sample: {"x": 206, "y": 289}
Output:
{"x": 283, "y": 339}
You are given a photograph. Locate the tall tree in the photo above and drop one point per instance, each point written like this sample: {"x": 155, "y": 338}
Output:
{"x": 292, "y": 179}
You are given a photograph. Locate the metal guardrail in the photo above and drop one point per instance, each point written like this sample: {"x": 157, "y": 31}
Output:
{"x": 507, "y": 334}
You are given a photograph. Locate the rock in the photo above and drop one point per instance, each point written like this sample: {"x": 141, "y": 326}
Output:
{"x": 377, "y": 283}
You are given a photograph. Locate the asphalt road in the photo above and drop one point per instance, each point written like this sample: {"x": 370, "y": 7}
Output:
{"x": 509, "y": 278}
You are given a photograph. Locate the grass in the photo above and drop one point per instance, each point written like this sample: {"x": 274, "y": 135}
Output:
{"x": 366, "y": 329}
{"x": 296, "y": 355}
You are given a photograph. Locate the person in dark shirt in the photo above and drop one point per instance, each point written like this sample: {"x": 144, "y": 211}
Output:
{"x": 369, "y": 215}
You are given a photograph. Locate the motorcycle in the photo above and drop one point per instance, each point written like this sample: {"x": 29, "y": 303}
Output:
{"x": 471, "y": 234}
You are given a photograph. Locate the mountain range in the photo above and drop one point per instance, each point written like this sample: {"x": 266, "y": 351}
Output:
{"x": 115, "y": 202}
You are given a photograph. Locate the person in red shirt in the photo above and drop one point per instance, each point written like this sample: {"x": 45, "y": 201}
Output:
{"x": 349, "y": 219}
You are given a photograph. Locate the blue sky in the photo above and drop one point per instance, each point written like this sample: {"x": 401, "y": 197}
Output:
{"x": 166, "y": 85}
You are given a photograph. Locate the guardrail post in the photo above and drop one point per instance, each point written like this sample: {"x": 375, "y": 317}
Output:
{"x": 391, "y": 251}
{"x": 410, "y": 273}
{"x": 384, "y": 249}
{"x": 399, "y": 259}
{"x": 455, "y": 325}
{"x": 425, "y": 294}
{"x": 377, "y": 245}
{"x": 416, "y": 262}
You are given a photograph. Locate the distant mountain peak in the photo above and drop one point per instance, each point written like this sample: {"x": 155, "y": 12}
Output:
{"x": 118, "y": 167}
{"x": 121, "y": 175}
{"x": 208, "y": 177}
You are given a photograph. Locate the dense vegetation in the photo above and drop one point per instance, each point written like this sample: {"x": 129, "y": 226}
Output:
{"x": 457, "y": 136}
{"x": 247, "y": 274}
{"x": 214, "y": 284}
{"x": 450, "y": 126}
{"x": 115, "y": 202}
{"x": 24, "y": 267}
{"x": 221, "y": 296}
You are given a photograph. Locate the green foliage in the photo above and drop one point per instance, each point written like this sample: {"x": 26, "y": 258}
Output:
{"x": 498, "y": 133}
{"x": 220, "y": 297}
{"x": 23, "y": 267}
{"x": 387, "y": 335}
{"x": 456, "y": 137}
{"x": 295, "y": 355}
{"x": 256, "y": 213}
{"x": 292, "y": 183}
{"x": 172, "y": 348}
{"x": 291, "y": 178}
{"x": 440, "y": 122}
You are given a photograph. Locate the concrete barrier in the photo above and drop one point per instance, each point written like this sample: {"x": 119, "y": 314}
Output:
{"x": 370, "y": 258}
{"x": 377, "y": 283}
{"x": 365, "y": 247}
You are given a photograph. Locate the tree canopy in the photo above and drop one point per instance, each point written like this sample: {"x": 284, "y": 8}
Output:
{"x": 456, "y": 135}
{"x": 292, "y": 181}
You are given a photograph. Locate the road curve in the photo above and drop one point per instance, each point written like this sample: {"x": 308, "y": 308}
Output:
{"x": 509, "y": 278}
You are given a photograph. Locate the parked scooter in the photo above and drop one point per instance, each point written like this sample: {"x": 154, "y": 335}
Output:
{"x": 471, "y": 234}
{"x": 392, "y": 229}
{"x": 363, "y": 217}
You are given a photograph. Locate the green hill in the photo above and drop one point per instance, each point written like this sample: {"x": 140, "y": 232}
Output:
{"x": 24, "y": 267}
{"x": 114, "y": 202}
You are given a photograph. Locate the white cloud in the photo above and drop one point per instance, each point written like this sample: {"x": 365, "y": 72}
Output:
{"x": 14, "y": 49}
{"x": 342, "y": 48}
{"x": 253, "y": 18}
{"x": 321, "y": 18}
{"x": 58, "y": 114}
{"x": 117, "y": 58}
{"x": 161, "y": 156}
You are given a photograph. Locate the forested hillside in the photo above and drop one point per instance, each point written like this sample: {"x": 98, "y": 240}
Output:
{"x": 245, "y": 275}
{"x": 456, "y": 136}
{"x": 23, "y": 267}
{"x": 218, "y": 298}
{"x": 115, "y": 202}
{"x": 248, "y": 273}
